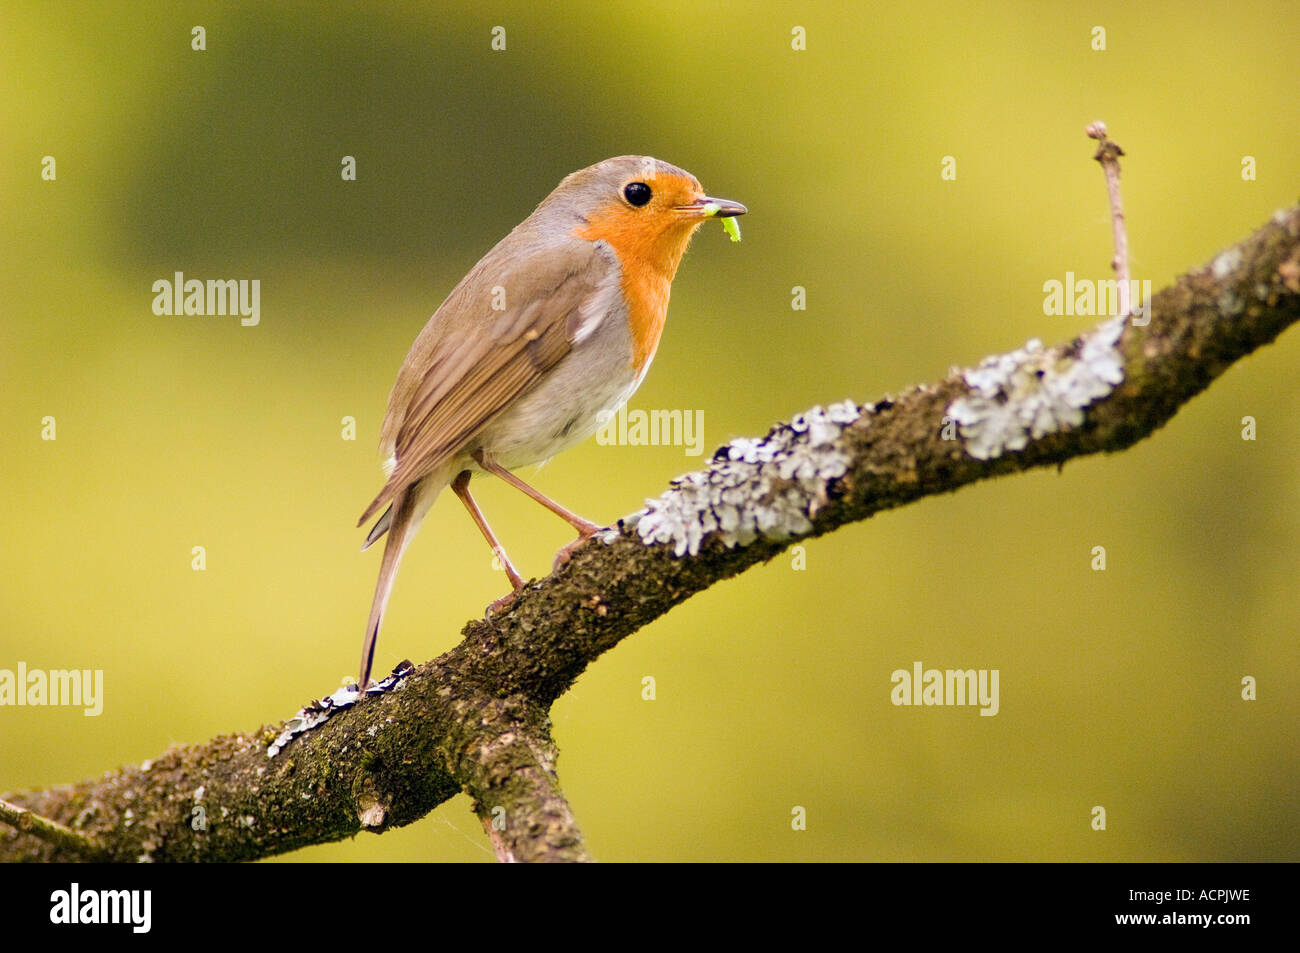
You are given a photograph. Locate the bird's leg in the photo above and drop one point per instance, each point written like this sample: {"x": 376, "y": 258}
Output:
{"x": 586, "y": 528}
{"x": 460, "y": 486}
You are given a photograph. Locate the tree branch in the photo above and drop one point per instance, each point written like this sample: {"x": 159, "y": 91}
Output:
{"x": 517, "y": 795}
{"x": 475, "y": 718}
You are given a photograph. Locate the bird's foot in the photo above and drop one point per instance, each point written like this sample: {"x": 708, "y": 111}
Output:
{"x": 566, "y": 552}
{"x": 504, "y": 603}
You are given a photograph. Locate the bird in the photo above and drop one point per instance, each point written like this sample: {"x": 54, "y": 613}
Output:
{"x": 533, "y": 350}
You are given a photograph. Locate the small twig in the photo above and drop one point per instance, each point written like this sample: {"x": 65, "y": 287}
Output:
{"x": 1108, "y": 153}
{"x": 52, "y": 831}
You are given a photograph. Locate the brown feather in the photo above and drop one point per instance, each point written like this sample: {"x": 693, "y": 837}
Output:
{"x": 470, "y": 362}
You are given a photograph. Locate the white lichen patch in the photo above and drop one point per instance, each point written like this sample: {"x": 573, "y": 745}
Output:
{"x": 1226, "y": 262}
{"x": 318, "y": 712}
{"x": 1035, "y": 391}
{"x": 770, "y": 487}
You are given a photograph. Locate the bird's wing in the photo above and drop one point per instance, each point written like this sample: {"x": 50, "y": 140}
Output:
{"x": 471, "y": 362}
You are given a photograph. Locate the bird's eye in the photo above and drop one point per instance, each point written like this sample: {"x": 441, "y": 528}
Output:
{"x": 637, "y": 193}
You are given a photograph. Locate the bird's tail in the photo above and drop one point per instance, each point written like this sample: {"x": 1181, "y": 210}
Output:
{"x": 403, "y": 519}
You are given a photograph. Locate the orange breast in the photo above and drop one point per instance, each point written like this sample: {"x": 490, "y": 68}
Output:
{"x": 646, "y": 294}
{"x": 649, "y": 250}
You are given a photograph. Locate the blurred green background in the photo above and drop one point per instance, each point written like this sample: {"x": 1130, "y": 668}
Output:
{"x": 1118, "y": 688}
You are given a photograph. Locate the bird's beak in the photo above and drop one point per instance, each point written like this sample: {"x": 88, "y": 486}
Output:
{"x": 706, "y": 207}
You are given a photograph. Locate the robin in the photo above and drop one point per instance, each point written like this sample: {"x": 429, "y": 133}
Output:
{"x": 549, "y": 334}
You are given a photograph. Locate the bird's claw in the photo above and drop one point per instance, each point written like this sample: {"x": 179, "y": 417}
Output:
{"x": 566, "y": 552}
{"x": 504, "y": 603}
